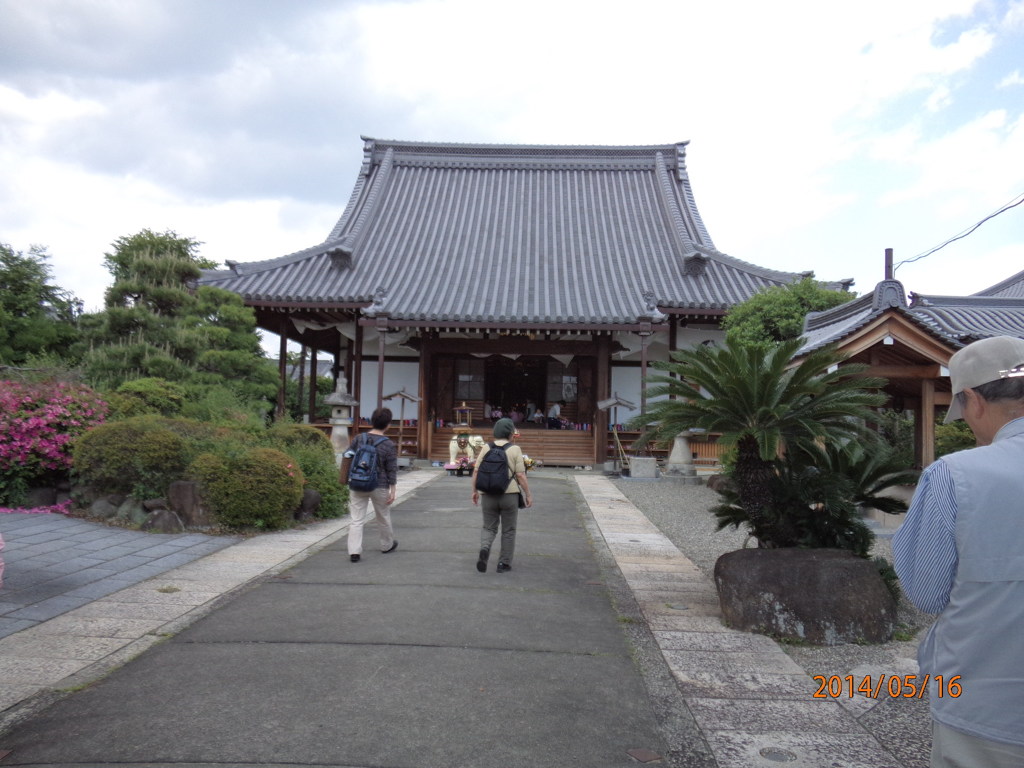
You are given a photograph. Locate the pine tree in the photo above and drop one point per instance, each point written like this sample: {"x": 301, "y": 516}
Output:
{"x": 157, "y": 324}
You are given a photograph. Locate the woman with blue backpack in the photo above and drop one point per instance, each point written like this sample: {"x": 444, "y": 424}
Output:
{"x": 372, "y": 478}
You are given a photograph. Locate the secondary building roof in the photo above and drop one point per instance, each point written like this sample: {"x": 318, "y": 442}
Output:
{"x": 953, "y": 320}
{"x": 563, "y": 236}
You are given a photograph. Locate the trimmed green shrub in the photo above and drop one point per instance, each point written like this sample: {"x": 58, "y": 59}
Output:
{"x": 260, "y": 489}
{"x": 147, "y": 395}
{"x": 314, "y": 452}
{"x": 140, "y": 456}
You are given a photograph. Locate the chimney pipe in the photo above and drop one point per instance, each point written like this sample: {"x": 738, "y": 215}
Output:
{"x": 888, "y": 264}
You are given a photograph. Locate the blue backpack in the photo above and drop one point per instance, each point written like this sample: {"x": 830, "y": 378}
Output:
{"x": 362, "y": 472}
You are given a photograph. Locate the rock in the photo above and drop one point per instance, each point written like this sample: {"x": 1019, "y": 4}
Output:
{"x": 163, "y": 521}
{"x": 152, "y": 505}
{"x": 309, "y": 505}
{"x": 102, "y": 509}
{"x": 717, "y": 482}
{"x": 643, "y": 467}
{"x": 40, "y": 497}
{"x": 183, "y": 498}
{"x": 132, "y": 511}
{"x": 818, "y": 596}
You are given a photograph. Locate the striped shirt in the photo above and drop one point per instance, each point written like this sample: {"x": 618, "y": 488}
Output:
{"x": 924, "y": 547}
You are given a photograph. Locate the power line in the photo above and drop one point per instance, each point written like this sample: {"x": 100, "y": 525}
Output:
{"x": 1014, "y": 202}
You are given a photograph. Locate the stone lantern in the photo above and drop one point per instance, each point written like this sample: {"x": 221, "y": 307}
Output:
{"x": 680, "y": 461}
{"x": 342, "y": 405}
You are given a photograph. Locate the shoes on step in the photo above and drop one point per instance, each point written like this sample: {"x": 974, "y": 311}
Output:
{"x": 393, "y": 547}
{"x": 481, "y": 562}
{"x": 503, "y": 567}
{"x": 354, "y": 558}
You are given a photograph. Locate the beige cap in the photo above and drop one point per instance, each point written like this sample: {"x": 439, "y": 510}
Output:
{"x": 981, "y": 362}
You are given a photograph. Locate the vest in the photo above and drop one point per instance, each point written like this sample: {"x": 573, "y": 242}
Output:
{"x": 979, "y": 634}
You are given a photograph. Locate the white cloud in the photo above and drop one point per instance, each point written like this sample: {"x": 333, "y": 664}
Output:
{"x": 820, "y": 133}
{"x": 1013, "y": 79}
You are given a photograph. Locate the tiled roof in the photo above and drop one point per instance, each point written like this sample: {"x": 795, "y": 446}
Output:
{"x": 957, "y": 320}
{"x": 556, "y": 235}
{"x": 838, "y": 323}
{"x": 968, "y": 318}
{"x": 1010, "y": 288}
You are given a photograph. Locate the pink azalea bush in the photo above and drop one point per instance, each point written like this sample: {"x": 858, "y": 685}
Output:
{"x": 38, "y": 426}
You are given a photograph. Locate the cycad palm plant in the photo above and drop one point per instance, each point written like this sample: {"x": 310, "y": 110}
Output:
{"x": 764, "y": 405}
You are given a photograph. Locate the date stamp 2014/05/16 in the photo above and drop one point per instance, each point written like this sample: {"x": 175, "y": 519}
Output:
{"x": 894, "y": 686}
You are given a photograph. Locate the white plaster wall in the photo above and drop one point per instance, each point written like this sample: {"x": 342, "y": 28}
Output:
{"x": 625, "y": 384}
{"x": 397, "y": 376}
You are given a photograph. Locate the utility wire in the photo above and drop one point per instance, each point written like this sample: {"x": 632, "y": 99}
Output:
{"x": 1014, "y": 202}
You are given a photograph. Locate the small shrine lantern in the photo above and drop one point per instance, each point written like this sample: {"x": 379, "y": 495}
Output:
{"x": 342, "y": 405}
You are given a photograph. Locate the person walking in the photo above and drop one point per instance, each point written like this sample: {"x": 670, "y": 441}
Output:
{"x": 958, "y": 554}
{"x": 502, "y": 508}
{"x": 383, "y": 496}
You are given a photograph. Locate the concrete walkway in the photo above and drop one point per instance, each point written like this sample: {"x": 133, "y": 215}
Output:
{"x": 602, "y": 647}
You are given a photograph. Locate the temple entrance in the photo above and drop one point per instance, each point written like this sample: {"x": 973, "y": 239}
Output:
{"x": 511, "y": 384}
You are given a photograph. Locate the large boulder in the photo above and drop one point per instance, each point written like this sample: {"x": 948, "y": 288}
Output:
{"x": 163, "y": 521}
{"x": 184, "y": 499}
{"x": 309, "y": 505}
{"x": 817, "y": 596}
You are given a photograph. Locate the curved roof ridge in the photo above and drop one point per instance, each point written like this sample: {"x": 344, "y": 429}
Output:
{"x": 1014, "y": 284}
{"x": 765, "y": 272}
{"x": 252, "y": 267}
{"x": 461, "y": 147}
{"x": 668, "y": 201}
{"x": 978, "y": 300}
{"x": 370, "y": 206}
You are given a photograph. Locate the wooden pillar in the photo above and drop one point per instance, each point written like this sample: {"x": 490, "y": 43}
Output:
{"x": 381, "y": 339}
{"x": 425, "y": 426}
{"x": 602, "y": 391}
{"x": 357, "y": 375}
{"x": 313, "y": 365}
{"x": 643, "y": 371}
{"x": 925, "y": 449}
{"x": 282, "y": 368}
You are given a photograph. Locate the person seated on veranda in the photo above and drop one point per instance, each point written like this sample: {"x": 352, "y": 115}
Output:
{"x": 459, "y": 447}
{"x": 555, "y": 415}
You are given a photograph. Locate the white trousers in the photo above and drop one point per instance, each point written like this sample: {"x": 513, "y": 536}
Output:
{"x": 358, "y": 509}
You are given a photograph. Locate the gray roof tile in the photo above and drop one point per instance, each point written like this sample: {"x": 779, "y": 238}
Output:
{"x": 957, "y": 320}
{"x": 559, "y": 235}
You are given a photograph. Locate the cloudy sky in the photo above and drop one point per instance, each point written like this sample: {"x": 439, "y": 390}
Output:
{"x": 820, "y": 133}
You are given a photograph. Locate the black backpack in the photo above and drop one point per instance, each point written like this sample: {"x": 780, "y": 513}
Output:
{"x": 494, "y": 475}
{"x": 362, "y": 472}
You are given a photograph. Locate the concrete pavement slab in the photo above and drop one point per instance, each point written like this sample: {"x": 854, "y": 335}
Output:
{"x": 333, "y": 663}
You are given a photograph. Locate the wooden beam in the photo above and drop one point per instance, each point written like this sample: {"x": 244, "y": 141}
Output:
{"x": 930, "y": 372}
{"x": 514, "y": 345}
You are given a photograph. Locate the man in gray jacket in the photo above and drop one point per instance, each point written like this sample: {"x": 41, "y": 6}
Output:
{"x": 960, "y": 554}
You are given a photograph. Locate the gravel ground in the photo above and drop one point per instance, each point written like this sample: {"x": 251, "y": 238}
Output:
{"x": 903, "y": 726}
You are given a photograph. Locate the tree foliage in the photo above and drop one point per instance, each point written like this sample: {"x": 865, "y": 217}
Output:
{"x": 777, "y": 314}
{"x": 780, "y": 415}
{"x": 36, "y": 317}
{"x": 156, "y": 324}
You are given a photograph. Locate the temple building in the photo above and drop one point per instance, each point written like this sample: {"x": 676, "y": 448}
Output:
{"x": 478, "y": 277}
